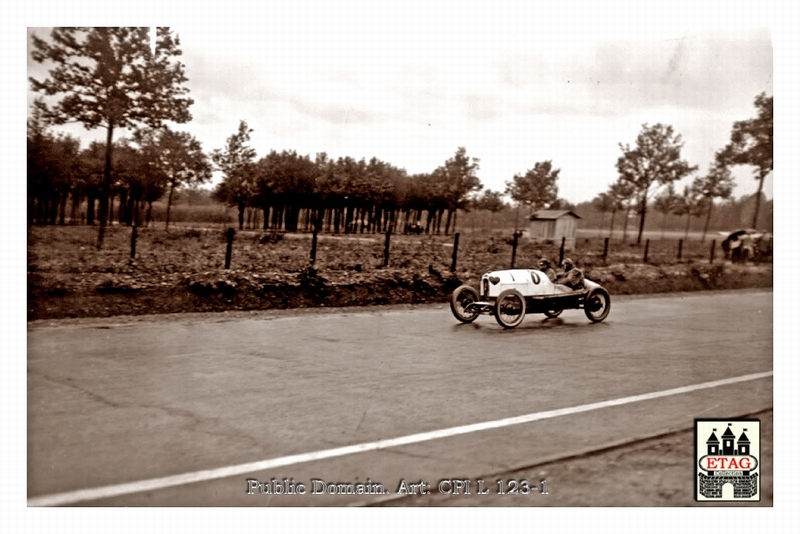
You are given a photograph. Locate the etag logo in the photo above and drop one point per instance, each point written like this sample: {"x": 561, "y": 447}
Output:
{"x": 727, "y": 459}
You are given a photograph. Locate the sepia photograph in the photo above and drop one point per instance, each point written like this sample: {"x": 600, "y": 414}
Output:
{"x": 489, "y": 255}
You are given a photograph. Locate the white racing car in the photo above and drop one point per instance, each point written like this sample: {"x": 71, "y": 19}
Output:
{"x": 509, "y": 294}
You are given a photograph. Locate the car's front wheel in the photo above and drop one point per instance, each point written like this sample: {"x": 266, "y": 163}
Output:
{"x": 510, "y": 308}
{"x": 597, "y": 305}
{"x": 460, "y": 301}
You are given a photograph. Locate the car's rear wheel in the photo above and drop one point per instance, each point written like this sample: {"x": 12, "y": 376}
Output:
{"x": 460, "y": 301}
{"x": 510, "y": 308}
{"x": 552, "y": 314}
{"x": 597, "y": 305}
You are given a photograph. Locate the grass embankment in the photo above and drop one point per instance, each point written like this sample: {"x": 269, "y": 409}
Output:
{"x": 182, "y": 270}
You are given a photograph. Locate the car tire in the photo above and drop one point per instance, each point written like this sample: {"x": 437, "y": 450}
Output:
{"x": 597, "y": 305}
{"x": 552, "y": 314}
{"x": 460, "y": 299}
{"x": 509, "y": 308}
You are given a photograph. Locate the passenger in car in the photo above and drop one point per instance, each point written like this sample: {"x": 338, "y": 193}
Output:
{"x": 572, "y": 277}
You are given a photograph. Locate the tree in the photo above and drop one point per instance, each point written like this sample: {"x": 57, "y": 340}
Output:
{"x": 621, "y": 194}
{"x": 52, "y": 174}
{"x": 490, "y": 201}
{"x": 458, "y": 178}
{"x": 665, "y": 203}
{"x": 603, "y": 203}
{"x": 237, "y": 162}
{"x": 654, "y": 161}
{"x": 690, "y": 203}
{"x": 751, "y": 144}
{"x": 561, "y": 204}
{"x": 536, "y": 188}
{"x": 53, "y": 169}
{"x": 110, "y": 78}
{"x": 718, "y": 183}
{"x": 285, "y": 182}
{"x": 177, "y": 155}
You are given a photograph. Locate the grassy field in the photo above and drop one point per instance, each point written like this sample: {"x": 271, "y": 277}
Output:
{"x": 183, "y": 269}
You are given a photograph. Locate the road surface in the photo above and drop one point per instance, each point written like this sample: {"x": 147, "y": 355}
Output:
{"x": 184, "y": 410}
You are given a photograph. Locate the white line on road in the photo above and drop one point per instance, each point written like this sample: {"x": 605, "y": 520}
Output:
{"x": 104, "y": 492}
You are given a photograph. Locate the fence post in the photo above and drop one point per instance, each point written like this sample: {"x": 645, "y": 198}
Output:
{"x": 133, "y": 241}
{"x": 455, "y": 253}
{"x": 561, "y": 252}
{"x": 713, "y": 249}
{"x": 680, "y": 248}
{"x": 229, "y": 236}
{"x": 646, "y": 249}
{"x": 514, "y": 248}
{"x": 605, "y": 250}
{"x": 386, "y": 247}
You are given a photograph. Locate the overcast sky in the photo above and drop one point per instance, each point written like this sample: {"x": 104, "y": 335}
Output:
{"x": 513, "y": 82}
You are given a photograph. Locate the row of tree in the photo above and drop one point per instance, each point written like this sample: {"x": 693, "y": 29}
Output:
{"x": 649, "y": 170}
{"x": 147, "y": 167}
{"x": 342, "y": 195}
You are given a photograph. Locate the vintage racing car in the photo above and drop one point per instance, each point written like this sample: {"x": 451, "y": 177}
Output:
{"x": 509, "y": 294}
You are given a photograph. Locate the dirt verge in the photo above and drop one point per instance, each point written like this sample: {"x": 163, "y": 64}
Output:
{"x": 227, "y": 290}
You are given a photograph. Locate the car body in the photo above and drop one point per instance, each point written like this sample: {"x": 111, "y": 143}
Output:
{"x": 510, "y": 294}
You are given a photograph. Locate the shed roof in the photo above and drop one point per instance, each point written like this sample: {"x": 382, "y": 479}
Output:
{"x": 553, "y": 214}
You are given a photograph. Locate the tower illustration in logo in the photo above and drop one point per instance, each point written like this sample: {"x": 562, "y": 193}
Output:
{"x": 727, "y": 468}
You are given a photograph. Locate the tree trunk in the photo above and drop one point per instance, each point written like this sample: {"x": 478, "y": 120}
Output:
{"x": 53, "y": 215}
{"x": 602, "y": 224}
{"x": 110, "y": 208}
{"x": 106, "y": 187}
{"x": 73, "y": 216}
{"x": 124, "y": 213}
{"x": 136, "y": 217}
{"x": 447, "y": 223}
{"x": 708, "y": 219}
{"x": 241, "y": 216}
{"x": 90, "y": 209}
{"x": 641, "y": 218}
{"x": 63, "y": 208}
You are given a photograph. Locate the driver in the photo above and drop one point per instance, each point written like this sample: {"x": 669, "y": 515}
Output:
{"x": 572, "y": 277}
{"x": 547, "y": 269}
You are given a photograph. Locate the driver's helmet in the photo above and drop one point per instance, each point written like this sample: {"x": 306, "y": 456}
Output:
{"x": 544, "y": 263}
{"x": 568, "y": 264}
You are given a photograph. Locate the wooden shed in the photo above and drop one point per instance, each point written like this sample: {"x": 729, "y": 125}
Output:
{"x": 553, "y": 224}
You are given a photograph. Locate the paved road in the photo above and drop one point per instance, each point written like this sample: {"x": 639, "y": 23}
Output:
{"x": 139, "y": 401}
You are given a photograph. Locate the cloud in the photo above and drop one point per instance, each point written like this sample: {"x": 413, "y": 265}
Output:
{"x": 711, "y": 72}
